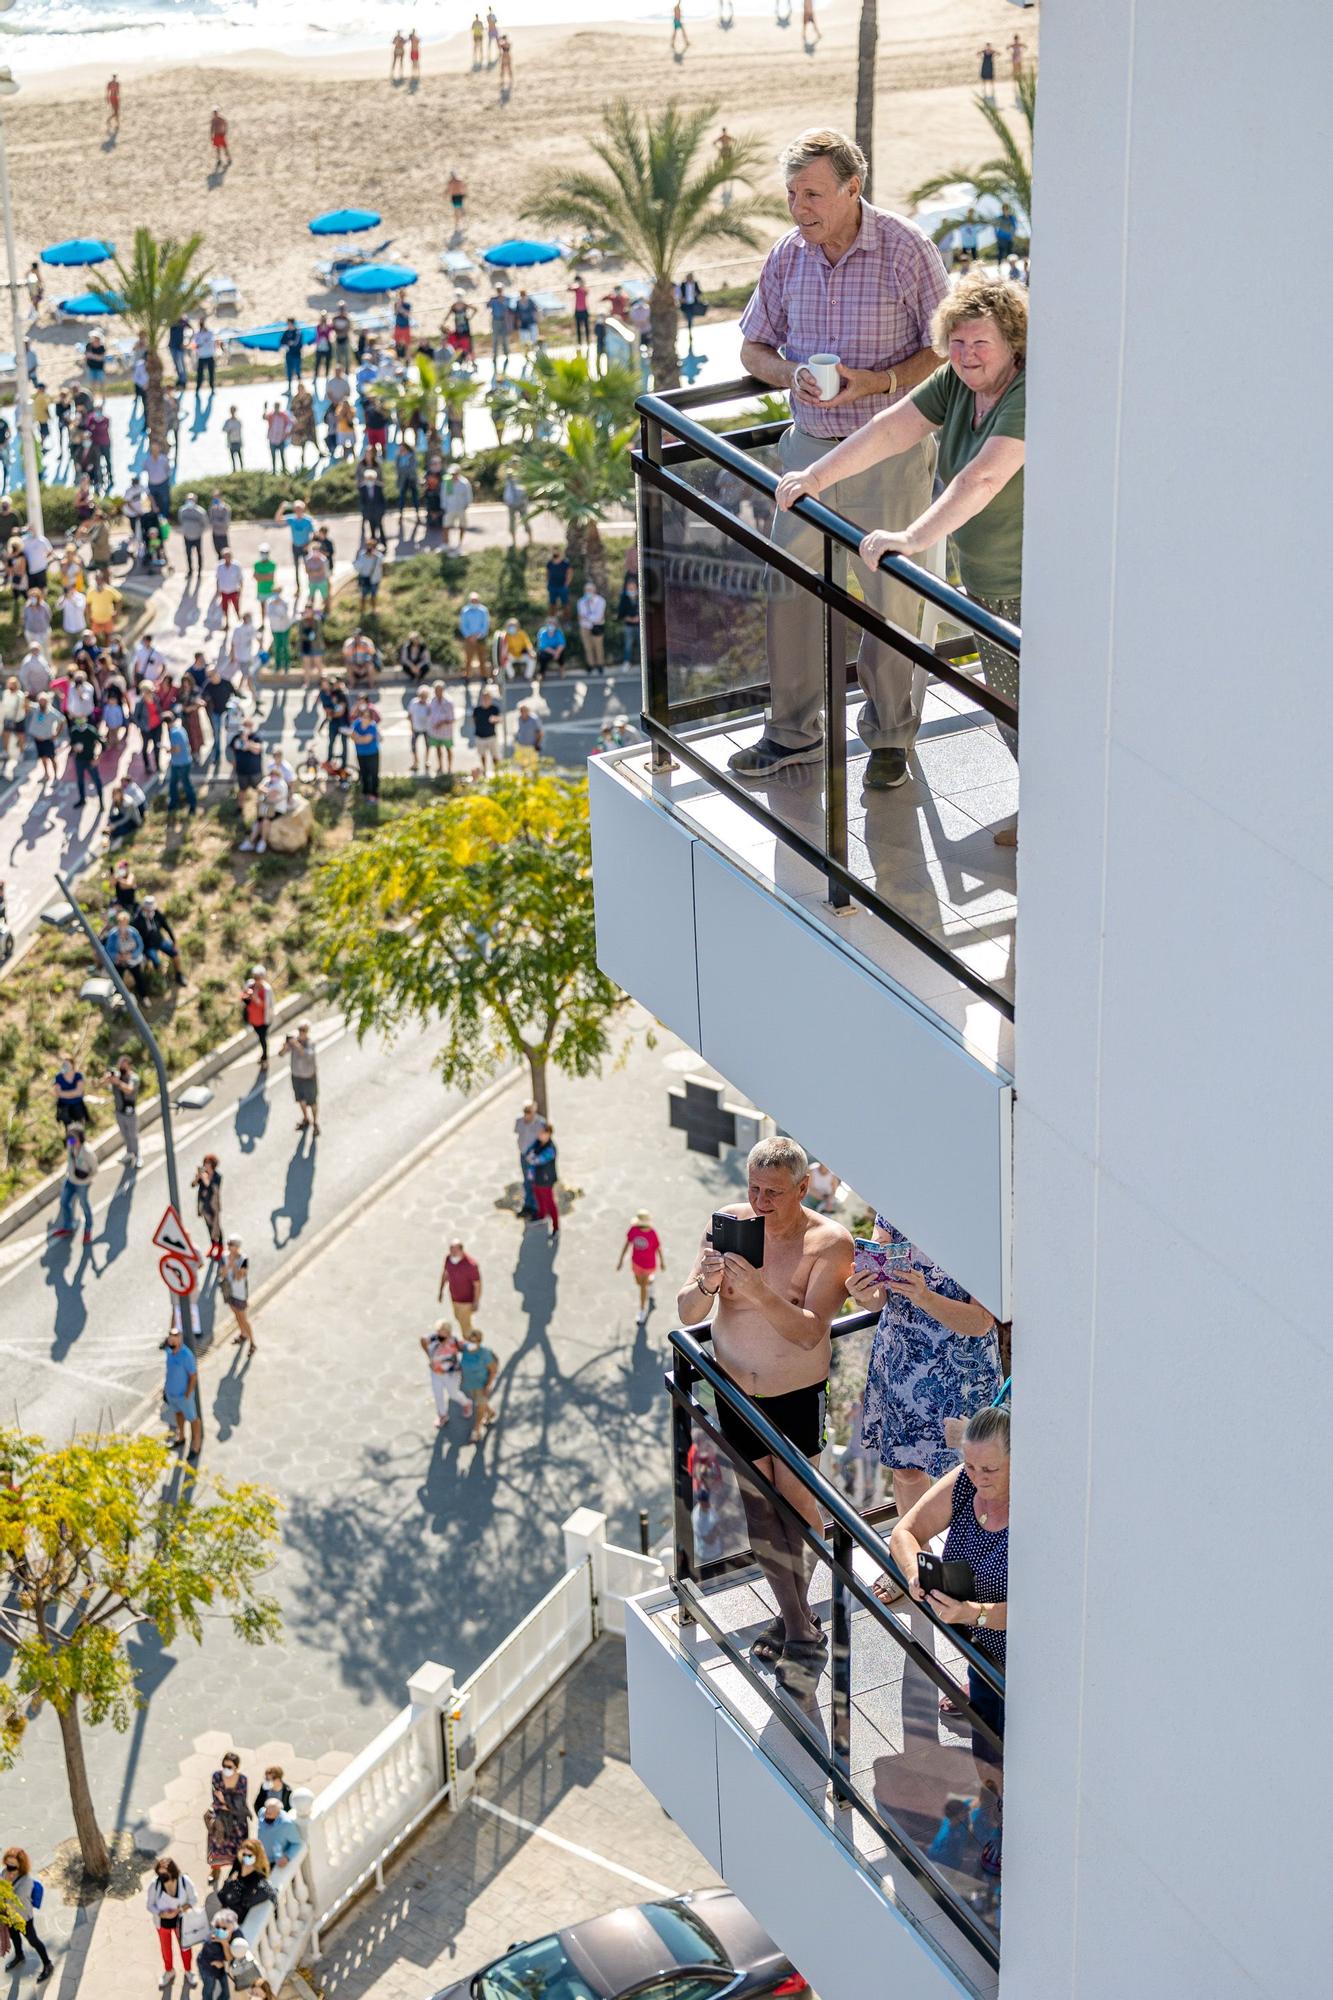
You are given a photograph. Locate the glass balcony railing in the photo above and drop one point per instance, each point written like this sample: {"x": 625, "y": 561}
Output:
{"x": 720, "y": 593}
{"x": 886, "y": 1736}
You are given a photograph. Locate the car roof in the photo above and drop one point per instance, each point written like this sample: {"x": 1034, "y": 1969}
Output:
{"x": 617, "y": 1952}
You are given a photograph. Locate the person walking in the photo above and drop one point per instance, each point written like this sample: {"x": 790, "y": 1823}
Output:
{"x": 810, "y": 33}
{"x": 180, "y": 1390}
{"x": 86, "y": 743}
{"x": 171, "y": 1894}
{"x": 541, "y": 1158}
{"x": 227, "y": 1820}
{"x": 207, "y": 1183}
{"x": 217, "y": 133}
{"x": 856, "y": 282}
{"x": 445, "y": 1355}
{"x": 680, "y": 41}
{"x": 478, "y": 1369}
{"x": 124, "y": 1087}
{"x": 19, "y": 1876}
{"x": 234, "y": 1283}
{"x": 305, "y": 1076}
{"x": 257, "y": 1005}
{"x": 192, "y": 522}
{"x": 205, "y": 358}
{"x": 462, "y": 1275}
{"x": 646, "y": 1256}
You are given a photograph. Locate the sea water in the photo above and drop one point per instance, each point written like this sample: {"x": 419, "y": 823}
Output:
{"x": 53, "y": 34}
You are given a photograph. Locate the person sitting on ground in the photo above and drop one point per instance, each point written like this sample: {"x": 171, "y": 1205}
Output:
{"x": 126, "y": 814}
{"x": 159, "y": 939}
{"x": 414, "y": 658}
{"x": 275, "y": 799}
{"x": 551, "y": 643}
{"x": 362, "y": 660}
{"x": 124, "y": 947}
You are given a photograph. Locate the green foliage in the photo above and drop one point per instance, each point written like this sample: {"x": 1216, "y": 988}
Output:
{"x": 161, "y": 283}
{"x": 92, "y": 1545}
{"x": 659, "y": 201}
{"x": 1009, "y": 175}
{"x": 477, "y": 911}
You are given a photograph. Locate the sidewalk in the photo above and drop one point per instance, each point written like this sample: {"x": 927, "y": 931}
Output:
{"x": 402, "y": 1543}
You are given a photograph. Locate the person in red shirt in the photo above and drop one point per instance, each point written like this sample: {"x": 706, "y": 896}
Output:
{"x": 646, "y": 1258}
{"x": 462, "y": 1275}
{"x": 582, "y": 323}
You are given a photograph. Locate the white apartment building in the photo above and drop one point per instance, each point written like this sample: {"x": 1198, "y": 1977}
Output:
{"x": 1097, "y": 1090}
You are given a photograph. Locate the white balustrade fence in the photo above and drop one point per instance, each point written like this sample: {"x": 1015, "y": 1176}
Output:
{"x": 431, "y": 1750}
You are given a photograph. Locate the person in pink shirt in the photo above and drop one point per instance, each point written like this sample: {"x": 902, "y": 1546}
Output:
{"x": 646, "y": 1258}
{"x": 582, "y": 322}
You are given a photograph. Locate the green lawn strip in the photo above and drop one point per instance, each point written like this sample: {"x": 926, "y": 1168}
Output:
{"x": 229, "y": 911}
{"x": 425, "y": 594}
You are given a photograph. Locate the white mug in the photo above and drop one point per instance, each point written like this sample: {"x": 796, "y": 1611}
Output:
{"x": 824, "y": 369}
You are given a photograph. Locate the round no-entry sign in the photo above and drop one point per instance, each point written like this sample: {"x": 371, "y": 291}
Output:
{"x": 178, "y": 1274}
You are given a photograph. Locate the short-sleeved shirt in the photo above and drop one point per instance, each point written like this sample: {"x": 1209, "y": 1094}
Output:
{"x": 872, "y": 308}
{"x": 266, "y": 571}
{"x": 644, "y": 1246}
{"x": 475, "y": 1366}
{"x": 181, "y": 1365}
{"x": 528, "y": 732}
{"x": 474, "y": 621}
{"x": 301, "y": 528}
{"x": 990, "y": 545}
{"x": 365, "y": 735}
{"x": 483, "y": 720}
{"x": 102, "y": 604}
{"x": 557, "y": 575}
{"x": 462, "y": 1277}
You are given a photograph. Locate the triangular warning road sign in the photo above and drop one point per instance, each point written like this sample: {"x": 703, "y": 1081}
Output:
{"x": 170, "y": 1235}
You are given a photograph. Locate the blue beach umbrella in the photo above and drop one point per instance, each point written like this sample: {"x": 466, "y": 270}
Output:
{"x": 518, "y": 252}
{"x": 377, "y": 278}
{"x": 87, "y": 305}
{"x": 344, "y": 222}
{"x": 78, "y": 250}
{"x": 268, "y": 337}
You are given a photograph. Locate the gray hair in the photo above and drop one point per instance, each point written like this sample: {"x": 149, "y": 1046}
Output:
{"x": 823, "y": 142}
{"x": 989, "y": 1427}
{"x": 779, "y": 1152}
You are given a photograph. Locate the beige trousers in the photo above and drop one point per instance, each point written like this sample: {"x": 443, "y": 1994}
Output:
{"x": 888, "y": 495}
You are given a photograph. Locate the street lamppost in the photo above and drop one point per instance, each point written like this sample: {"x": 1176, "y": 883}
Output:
{"x": 22, "y": 395}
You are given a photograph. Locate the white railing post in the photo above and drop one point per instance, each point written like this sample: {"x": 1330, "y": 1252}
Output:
{"x": 585, "y": 1541}
{"x": 431, "y": 1690}
{"x": 461, "y": 1750}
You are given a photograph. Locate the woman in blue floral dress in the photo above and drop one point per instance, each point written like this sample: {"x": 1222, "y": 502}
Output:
{"x": 936, "y": 1354}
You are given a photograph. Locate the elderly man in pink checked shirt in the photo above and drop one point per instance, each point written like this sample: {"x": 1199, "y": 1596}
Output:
{"x": 857, "y": 282}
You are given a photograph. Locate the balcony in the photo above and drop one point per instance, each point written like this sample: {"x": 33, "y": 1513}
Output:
{"x": 884, "y": 1809}
{"x": 751, "y": 917}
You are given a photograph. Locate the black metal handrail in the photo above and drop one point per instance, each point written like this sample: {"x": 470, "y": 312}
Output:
{"x": 847, "y": 1531}
{"x": 669, "y": 436}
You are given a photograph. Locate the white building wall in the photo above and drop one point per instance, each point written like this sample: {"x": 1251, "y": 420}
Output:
{"x": 1172, "y": 1611}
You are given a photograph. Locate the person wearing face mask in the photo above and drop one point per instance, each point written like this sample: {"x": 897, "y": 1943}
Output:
{"x": 171, "y": 1894}
{"x": 227, "y": 1818}
{"x": 247, "y": 1885}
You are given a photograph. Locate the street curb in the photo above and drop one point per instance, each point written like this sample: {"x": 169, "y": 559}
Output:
{"x": 146, "y": 1409}
{"x": 47, "y": 1191}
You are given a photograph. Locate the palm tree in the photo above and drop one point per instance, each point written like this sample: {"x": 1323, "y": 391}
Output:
{"x": 660, "y": 199}
{"x": 867, "y": 43}
{"x": 1009, "y": 175}
{"x": 579, "y": 481}
{"x": 558, "y": 390}
{"x": 156, "y": 288}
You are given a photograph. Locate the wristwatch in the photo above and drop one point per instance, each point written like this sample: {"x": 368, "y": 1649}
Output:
{"x": 981, "y": 1619}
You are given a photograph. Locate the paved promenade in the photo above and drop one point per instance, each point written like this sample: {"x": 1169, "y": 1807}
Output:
{"x": 402, "y": 1543}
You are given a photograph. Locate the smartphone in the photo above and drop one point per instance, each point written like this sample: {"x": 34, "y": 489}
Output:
{"x": 882, "y": 1260}
{"x": 955, "y": 1579}
{"x": 743, "y": 1234}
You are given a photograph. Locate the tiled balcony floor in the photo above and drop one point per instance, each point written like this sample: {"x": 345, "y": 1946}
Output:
{"x": 927, "y": 848}
{"x": 904, "y": 1755}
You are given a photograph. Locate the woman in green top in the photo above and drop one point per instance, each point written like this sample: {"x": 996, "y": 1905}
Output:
{"x": 977, "y": 403}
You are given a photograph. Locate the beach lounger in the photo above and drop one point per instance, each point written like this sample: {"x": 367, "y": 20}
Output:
{"x": 225, "y": 293}
{"x": 459, "y": 266}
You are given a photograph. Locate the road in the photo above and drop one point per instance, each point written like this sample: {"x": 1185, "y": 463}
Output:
{"x": 82, "y": 1326}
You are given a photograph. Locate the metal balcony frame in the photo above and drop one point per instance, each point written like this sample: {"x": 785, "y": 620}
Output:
{"x": 848, "y": 1531}
{"x": 669, "y": 437}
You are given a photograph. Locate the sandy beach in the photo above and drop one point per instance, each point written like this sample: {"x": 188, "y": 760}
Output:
{"x": 312, "y": 134}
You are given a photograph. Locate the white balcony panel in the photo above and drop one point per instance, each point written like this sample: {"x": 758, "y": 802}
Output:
{"x": 806, "y": 1012}
{"x": 644, "y": 891}
{"x": 866, "y": 1079}
{"x": 770, "y": 1844}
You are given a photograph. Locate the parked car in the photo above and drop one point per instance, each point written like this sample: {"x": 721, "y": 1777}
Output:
{"x": 705, "y": 1946}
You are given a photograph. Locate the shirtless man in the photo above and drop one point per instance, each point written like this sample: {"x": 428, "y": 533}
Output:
{"x": 771, "y": 1335}
{"x": 113, "y": 106}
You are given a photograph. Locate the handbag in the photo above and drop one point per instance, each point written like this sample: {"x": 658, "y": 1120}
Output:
{"x": 243, "y": 1971}
{"x": 194, "y": 1928}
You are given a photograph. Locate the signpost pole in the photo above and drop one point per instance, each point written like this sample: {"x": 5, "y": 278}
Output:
{"x": 145, "y": 1033}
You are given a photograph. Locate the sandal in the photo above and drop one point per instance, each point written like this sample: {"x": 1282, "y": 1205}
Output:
{"x": 767, "y": 1645}
{"x": 950, "y": 1707}
{"x": 885, "y": 1589}
{"x": 801, "y": 1665}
